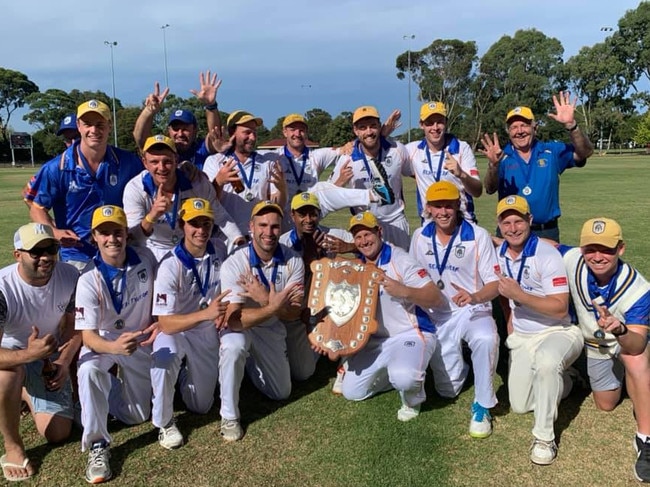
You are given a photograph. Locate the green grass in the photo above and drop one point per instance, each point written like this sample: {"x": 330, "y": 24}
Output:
{"x": 317, "y": 439}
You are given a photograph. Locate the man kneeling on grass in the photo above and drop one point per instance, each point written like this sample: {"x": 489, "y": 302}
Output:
{"x": 397, "y": 355}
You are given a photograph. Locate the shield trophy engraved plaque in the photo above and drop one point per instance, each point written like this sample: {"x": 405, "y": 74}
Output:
{"x": 342, "y": 302}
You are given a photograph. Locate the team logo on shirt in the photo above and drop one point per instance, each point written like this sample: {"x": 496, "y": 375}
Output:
{"x": 142, "y": 275}
{"x": 79, "y": 314}
{"x": 161, "y": 299}
{"x": 216, "y": 264}
{"x": 526, "y": 272}
{"x": 278, "y": 278}
{"x": 113, "y": 179}
{"x": 388, "y": 161}
{"x": 459, "y": 252}
{"x": 72, "y": 187}
{"x": 409, "y": 344}
{"x": 541, "y": 162}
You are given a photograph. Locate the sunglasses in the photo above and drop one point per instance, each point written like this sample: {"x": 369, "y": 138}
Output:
{"x": 38, "y": 252}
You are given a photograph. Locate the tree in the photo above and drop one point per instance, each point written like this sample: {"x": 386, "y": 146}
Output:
{"x": 15, "y": 87}
{"x": 339, "y": 131}
{"x": 642, "y": 134}
{"x": 318, "y": 121}
{"x": 276, "y": 131}
{"x": 443, "y": 72}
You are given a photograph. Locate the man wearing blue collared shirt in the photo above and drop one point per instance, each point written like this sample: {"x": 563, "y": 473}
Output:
{"x": 530, "y": 168}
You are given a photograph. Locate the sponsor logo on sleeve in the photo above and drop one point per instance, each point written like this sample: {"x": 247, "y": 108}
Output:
{"x": 559, "y": 281}
{"x": 79, "y": 314}
{"x": 161, "y": 299}
{"x": 422, "y": 273}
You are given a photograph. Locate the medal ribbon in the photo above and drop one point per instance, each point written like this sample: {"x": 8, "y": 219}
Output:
{"x": 441, "y": 266}
{"x": 108, "y": 272}
{"x": 439, "y": 171}
{"x": 189, "y": 262}
{"x": 595, "y": 290}
{"x": 305, "y": 156}
{"x": 246, "y": 179}
{"x": 152, "y": 190}
{"x": 256, "y": 263}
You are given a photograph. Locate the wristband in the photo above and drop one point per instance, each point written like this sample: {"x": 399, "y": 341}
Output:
{"x": 147, "y": 218}
{"x": 572, "y": 129}
{"x": 212, "y": 107}
{"x": 621, "y": 333}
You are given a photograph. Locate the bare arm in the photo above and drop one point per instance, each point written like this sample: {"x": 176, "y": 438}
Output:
{"x": 565, "y": 114}
{"x": 144, "y": 122}
{"x": 552, "y": 305}
{"x": 215, "y": 312}
{"x": 125, "y": 344}
{"x": 427, "y": 296}
{"x": 37, "y": 348}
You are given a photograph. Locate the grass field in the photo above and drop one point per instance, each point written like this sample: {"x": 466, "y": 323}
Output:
{"x": 317, "y": 439}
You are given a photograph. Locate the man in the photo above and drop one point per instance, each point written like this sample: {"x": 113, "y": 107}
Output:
{"x": 182, "y": 125}
{"x": 36, "y": 327}
{"x": 90, "y": 174}
{"x": 302, "y": 167}
{"x": 612, "y": 303}
{"x": 377, "y": 163}
{"x": 153, "y": 198}
{"x": 242, "y": 176}
{"x": 461, "y": 259}
{"x": 531, "y": 168}
{"x": 398, "y": 354}
{"x": 113, "y": 312}
{"x": 440, "y": 156}
{"x": 188, "y": 306}
{"x": 266, "y": 279}
{"x": 542, "y": 341}
{"x": 68, "y": 131}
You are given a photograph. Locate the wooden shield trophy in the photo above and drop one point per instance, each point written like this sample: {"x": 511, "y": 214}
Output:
{"x": 343, "y": 303}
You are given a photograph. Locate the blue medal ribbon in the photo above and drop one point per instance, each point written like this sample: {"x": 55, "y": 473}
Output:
{"x": 439, "y": 171}
{"x": 305, "y": 156}
{"x": 246, "y": 179}
{"x": 151, "y": 189}
{"x": 189, "y": 262}
{"x": 256, "y": 263}
{"x": 441, "y": 266}
{"x": 529, "y": 250}
{"x": 108, "y": 273}
{"x": 359, "y": 152}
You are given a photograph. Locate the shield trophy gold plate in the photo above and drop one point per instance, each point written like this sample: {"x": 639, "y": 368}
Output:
{"x": 342, "y": 302}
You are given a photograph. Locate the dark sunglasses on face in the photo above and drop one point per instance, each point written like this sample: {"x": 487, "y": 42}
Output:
{"x": 38, "y": 252}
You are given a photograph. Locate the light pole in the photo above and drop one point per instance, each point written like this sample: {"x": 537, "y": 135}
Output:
{"x": 112, "y": 44}
{"x": 604, "y": 29}
{"x": 164, "y": 28}
{"x": 408, "y": 53}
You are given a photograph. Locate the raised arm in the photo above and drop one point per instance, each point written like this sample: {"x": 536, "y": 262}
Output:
{"x": 144, "y": 122}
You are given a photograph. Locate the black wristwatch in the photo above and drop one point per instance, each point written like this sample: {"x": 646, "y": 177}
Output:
{"x": 621, "y": 333}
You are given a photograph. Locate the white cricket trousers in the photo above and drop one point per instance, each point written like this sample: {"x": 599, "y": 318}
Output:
{"x": 127, "y": 397}
{"x": 399, "y": 361}
{"x": 200, "y": 348}
{"x": 536, "y": 379}
{"x": 475, "y": 326}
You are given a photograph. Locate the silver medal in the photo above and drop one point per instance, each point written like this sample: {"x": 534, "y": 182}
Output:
{"x": 599, "y": 334}
{"x": 440, "y": 284}
{"x": 526, "y": 191}
{"x": 119, "y": 324}
{"x": 174, "y": 239}
{"x": 248, "y": 196}
{"x": 204, "y": 305}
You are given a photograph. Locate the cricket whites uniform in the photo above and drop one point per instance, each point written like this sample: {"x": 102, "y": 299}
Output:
{"x": 367, "y": 172}
{"x": 75, "y": 191}
{"x": 261, "y": 350}
{"x": 428, "y": 167}
{"x": 399, "y": 353}
{"x": 139, "y": 195}
{"x": 101, "y": 291}
{"x": 254, "y": 173}
{"x": 183, "y": 284}
{"x": 541, "y": 348}
{"x": 469, "y": 261}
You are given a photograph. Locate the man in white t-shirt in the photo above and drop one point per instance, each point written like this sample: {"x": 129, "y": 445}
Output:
{"x": 38, "y": 344}
{"x": 188, "y": 306}
{"x": 378, "y": 164}
{"x": 542, "y": 341}
{"x": 153, "y": 198}
{"x": 461, "y": 260}
{"x": 113, "y": 312}
{"x": 441, "y": 156}
{"x": 266, "y": 280}
{"x": 398, "y": 354}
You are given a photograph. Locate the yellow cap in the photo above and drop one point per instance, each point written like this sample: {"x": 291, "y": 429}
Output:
{"x": 523, "y": 112}
{"x": 363, "y": 112}
{"x": 513, "y": 202}
{"x": 601, "y": 231}
{"x": 305, "y": 199}
{"x": 109, "y": 213}
{"x": 266, "y": 207}
{"x": 28, "y": 236}
{"x": 195, "y": 207}
{"x": 95, "y": 106}
{"x": 239, "y": 117}
{"x": 159, "y": 140}
{"x": 442, "y": 191}
{"x": 293, "y": 118}
{"x": 365, "y": 219}
{"x": 432, "y": 108}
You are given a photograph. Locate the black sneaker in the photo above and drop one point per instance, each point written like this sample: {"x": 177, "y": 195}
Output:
{"x": 642, "y": 465}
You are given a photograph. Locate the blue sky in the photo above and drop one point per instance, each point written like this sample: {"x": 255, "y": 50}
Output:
{"x": 274, "y": 57}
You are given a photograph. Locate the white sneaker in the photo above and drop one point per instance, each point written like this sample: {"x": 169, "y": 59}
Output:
{"x": 337, "y": 388}
{"x": 543, "y": 452}
{"x": 170, "y": 437}
{"x": 231, "y": 430}
{"x": 98, "y": 469}
{"x": 407, "y": 413}
{"x": 480, "y": 426}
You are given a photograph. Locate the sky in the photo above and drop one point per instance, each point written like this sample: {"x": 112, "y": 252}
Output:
{"x": 274, "y": 57}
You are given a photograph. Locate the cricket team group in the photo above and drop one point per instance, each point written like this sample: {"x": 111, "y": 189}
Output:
{"x": 142, "y": 277}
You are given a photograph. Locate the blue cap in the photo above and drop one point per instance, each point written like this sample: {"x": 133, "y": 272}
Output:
{"x": 69, "y": 122}
{"x": 184, "y": 116}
